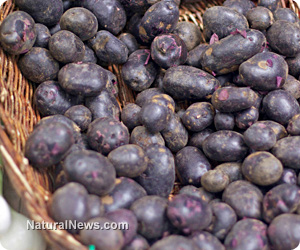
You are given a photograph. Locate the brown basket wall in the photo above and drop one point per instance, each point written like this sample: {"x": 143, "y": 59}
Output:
{"x": 18, "y": 117}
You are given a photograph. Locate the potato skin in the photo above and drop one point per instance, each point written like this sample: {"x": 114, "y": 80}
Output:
{"x": 38, "y": 65}
{"x": 292, "y": 85}
{"x": 284, "y": 38}
{"x": 293, "y": 127}
{"x": 42, "y": 35}
{"x": 147, "y": 95}
{"x": 174, "y": 242}
{"x": 232, "y": 169}
{"x": 138, "y": 243}
{"x": 215, "y": 180}
{"x": 142, "y": 137}
{"x": 227, "y": 21}
{"x": 262, "y": 71}
{"x": 130, "y": 42}
{"x": 241, "y": 6}
{"x": 286, "y": 14}
{"x": 160, "y": 18}
{"x": 224, "y": 121}
{"x": 187, "y": 82}
{"x": 130, "y": 115}
{"x": 194, "y": 56}
{"x": 81, "y": 115}
{"x": 196, "y": 140}
{"x": 47, "y": 12}
{"x": 270, "y": 4}
{"x": 17, "y": 33}
{"x": 260, "y": 18}
{"x": 279, "y": 130}
{"x": 245, "y": 118}
{"x": 86, "y": 79}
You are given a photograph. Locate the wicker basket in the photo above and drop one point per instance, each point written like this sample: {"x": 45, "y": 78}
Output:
{"x": 18, "y": 117}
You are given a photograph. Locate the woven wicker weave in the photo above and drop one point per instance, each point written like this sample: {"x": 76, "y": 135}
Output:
{"x": 18, "y": 117}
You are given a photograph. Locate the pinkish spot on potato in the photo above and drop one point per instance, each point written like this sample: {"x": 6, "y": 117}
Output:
{"x": 261, "y": 125}
{"x": 202, "y": 74}
{"x": 270, "y": 63}
{"x": 260, "y": 241}
{"x": 94, "y": 174}
{"x": 243, "y": 33}
{"x": 55, "y": 150}
{"x": 279, "y": 80}
{"x": 99, "y": 133}
{"x": 223, "y": 96}
{"x": 274, "y": 56}
{"x": 213, "y": 73}
{"x": 234, "y": 242}
{"x": 148, "y": 57}
{"x": 214, "y": 38}
{"x": 280, "y": 204}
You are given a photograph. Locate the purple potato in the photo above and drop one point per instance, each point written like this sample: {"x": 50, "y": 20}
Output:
{"x": 232, "y": 169}
{"x": 189, "y": 213}
{"x": 160, "y": 18}
{"x": 47, "y": 144}
{"x": 129, "y": 160}
{"x": 292, "y": 85}
{"x": 42, "y": 35}
{"x": 288, "y": 177}
{"x": 147, "y": 95}
{"x": 38, "y": 65}
{"x": 108, "y": 48}
{"x": 54, "y": 29}
{"x": 280, "y": 106}
{"x": 245, "y": 118}
{"x": 194, "y": 55}
{"x": 260, "y": 18}
{"x": 168, "y": 50}
{"x": 134, "y": 25}
{"x": 89, "y": 55}
{"x": 125, "y": 192}
{"x": 279, "y": 130}
{"x": 135, "y": 6}
{"x": 196, "y": 140}
{"x": 215, "y": 181}
{"x": 224, "y": 217}
{"x": 197, "y": 192}
{"x": 130, "y": 115}
{"x": 294, "y": 65}
{"x": 265, "y": 71}
{"x": 187, "y": 82}
{"x": 191, "y": 164}
{"x": 224, "y": 121}
{"x": 139, "y": 71}
{"x": 293, "y": 127}
{"x": 80, "y": 21}
{"x": 286, "y": 14}
{"x": 143, "y": 138}
{"x": 81, "y": 115}
{"x": 270, "y": 4}
{"x": 241, "y": 6}
{"x": 106, "y": 134}
{"x": 94, "y": 206}
{"x": 244, "y": 198}
{"x": 174, "y": 242}
{"x": 138, "y": 243}
{"x": 159, "y": 177}
{"x": 247, "y": 234}
{"x": 112, "y": 83}
{"x": 151, "y": 215}
{"x": 207, "y": 241}
{"x": 130, "y": 42}
{"x": 87, "y": 79}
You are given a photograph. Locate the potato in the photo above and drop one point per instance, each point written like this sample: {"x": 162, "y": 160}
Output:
{"x": 42, "y": 35}
{"x": 174, "y": 242}
{"x": 224, "y": 121}
{"x": 286, "y": 14}
{"x": 292, "y": 85}
{"x": 293, "y": 127}
{"x": 241, "y": 6}
{"x": 245, "y": 118}
{"x": 205, "y": 240}
{"x": 270, "y": 4}
{"x": 294, "y": 65}
{"x": 260, "y": 18}
{"x": 194, "y": 55}
{"x": 81, "y": 115}
{"x": 130, "y": 42}
{"x": 215, "y": 180}
{"x": 143, "y": 138}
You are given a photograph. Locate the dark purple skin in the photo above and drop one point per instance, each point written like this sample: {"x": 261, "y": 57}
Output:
{"x": 112, "y": 83}
{"x": 224, "y": 218}
{"x": 70, "y": 202}
{"x": 265, "y": 71}
{"x": 262, "y": 168}
{"x": 103, "y": 105}
{"x": 279, "y": 130}
{"x": 87, "y": 79}
{"x": 125, "y": 192}
{"x": 139, "y": 71}
{"x": 191, "y": 164}
{"x": 224, "y": 121}
{"x": 47, "y": 144}
{"x": 168, "y": 50}
{"x": 80, "y": 21}
{"x": 215, "y": 181}
{"x": 207, "y": 241}
{"x": 280, "y": 106}
{"x": 45, "y": 12}
{"x": 136, "y": 6}
{"x": 260, "y": 137}
{"x": 158, "y": 83}
{"x": 42, "y": 35}
{"x": 110, "y": 14}
{"x": 130, "y": 115}
{"x": 225, "y": 146}
{"x": 270, "y": 4}
{"x": 159, "y": 177}
{"x": 129, "y": 160}
{"x": 125, "y": 216}
{"x": 175, "y": 242}
{"x": 238, "y": 49}
{"x": 292, "y": 85}
{"x": 293, "y": 127}
{"x": 94, "y": 206}
{"x": 175, "y": 134}
{"x": 154, "y": 116}
{"x": 130, "y": 42}
{"x": 288, "y": 177}
{"x": 89, "y": 55}
{"x": 260, "y": 18}
{"x": 108, "y": 48}
{"x": 68, "y": 4}
{"x": 189, "y": 213}
{"x": 138, "y": 243}
{"x": 134, "y": 25}
{"x": 284, "y": 198}
{"x": 286, "y": 14}
{"x": 294, "y": 65}
{"x": 38, "y": 65}
{"x": 160, "y": 18}
{"x": 233, "y": 99}
{"x": 151, "y": 215}
{"x": 143, "y": 138}
{"x": 232, "y": 169}
{"x": 287, "y": 150}
{"x": 54, "y": 29}
{"x": 228, "y": 79}
{"x": 197, "y": 139}
{"x": 227, "y": 21}
{"x": 244, "y": 198}
{"x": 105, "y": 134}
{"x": 198, "y": 116}
{"x": 189, "y": 83}
{"x": 288, "y": 44}
{"x": 241, "y": 6}
{"x": 246, "y": 118}
{"x": 197, "y": 192}
{"x": 247, "y": 234}
{"x": 194, "y": 55}
{"x": 147, "y": 95}
{"x": 92, "y": 170}
{"x": 81, "y": 115}
{"x": 284, "y": 230}
{"x": 66, "y": 47}
{"x": 107, "y": 239}
{"x": 51, "y": 99}
{"x": 189, "y": 33}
